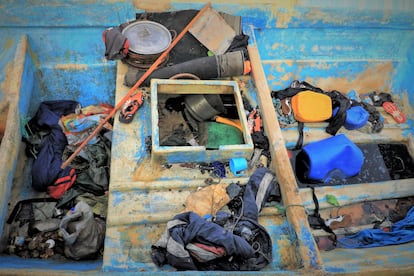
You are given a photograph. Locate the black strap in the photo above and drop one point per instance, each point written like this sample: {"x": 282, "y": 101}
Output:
{"x": 320, "y": 219}
{"x": 294, "y": 88}
{"x": 299, "y": 143}
{"x": 338, "y": 120}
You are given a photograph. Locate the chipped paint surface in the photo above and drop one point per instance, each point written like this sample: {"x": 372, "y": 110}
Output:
{"x": 375, "y": 78}
{"x": 10, "y": 103}
{"x": 150, "y": 6}
{"x": 78, "y": 67}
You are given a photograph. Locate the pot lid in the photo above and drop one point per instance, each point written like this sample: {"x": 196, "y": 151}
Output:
{"x": 147, "y": 37}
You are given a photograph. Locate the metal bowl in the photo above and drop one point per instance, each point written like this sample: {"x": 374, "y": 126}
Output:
{"x": 147, "y": 37}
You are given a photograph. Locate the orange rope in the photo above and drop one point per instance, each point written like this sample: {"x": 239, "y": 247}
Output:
{"x": 137, "y": 84}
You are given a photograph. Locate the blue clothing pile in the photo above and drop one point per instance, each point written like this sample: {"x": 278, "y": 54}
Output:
{"x": 47, "y": 165}
{"x": 226, "y": 242}
{"x": 400, "y": 232}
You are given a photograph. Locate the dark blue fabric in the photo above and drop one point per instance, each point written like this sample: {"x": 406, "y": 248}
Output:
{"x": 249, "y": 198}
{"x": 199, "y": 229}
{"x": 49, "y": 112}
{"x": 401, "y": 232}
{"x": 46, "y": 167}
{"x": 234, "y": 233}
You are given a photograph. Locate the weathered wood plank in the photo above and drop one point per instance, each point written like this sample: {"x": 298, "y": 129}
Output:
{"x": 309, "y": 255}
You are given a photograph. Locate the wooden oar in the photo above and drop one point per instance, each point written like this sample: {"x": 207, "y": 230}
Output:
{"x": 137, "y": 84}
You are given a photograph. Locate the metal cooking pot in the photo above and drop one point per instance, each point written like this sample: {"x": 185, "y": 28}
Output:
{"x": 147, "y": 37}
{"x": 204, "y": 107}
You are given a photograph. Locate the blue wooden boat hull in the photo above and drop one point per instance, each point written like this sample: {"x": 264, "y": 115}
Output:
{"x": 52, "y": 50}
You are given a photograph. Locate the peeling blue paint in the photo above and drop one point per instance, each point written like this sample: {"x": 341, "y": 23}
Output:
{"x": 307, "y": 40}
{"x": 306, "y": 238}
{"x": 117, "y": 198}
{"x": 332, "y": 269}
{"x": 14, "y": 262}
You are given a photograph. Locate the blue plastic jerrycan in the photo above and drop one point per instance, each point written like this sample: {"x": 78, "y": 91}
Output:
{"x": 338, "y": 154}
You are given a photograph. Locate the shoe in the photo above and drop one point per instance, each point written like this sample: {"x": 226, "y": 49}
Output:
{"x": 393, "y": 110}
{"x": 130, "y": 107}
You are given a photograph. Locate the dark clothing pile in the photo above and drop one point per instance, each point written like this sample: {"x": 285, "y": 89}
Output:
{"x": 76, "y": 202}
{"x": 48, "y": 145}
{"x": 229, "y": 242}
{"x": 48, "y": 142}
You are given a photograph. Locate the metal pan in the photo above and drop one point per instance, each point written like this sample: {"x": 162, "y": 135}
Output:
{"x": 147, "y": 37}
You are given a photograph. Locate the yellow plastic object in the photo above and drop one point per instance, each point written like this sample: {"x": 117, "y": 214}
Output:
{"x": 311, "y": 107}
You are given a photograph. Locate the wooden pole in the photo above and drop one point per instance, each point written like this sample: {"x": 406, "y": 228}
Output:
{"x": 137, "y": 84}
{"x": 308, "y": 252}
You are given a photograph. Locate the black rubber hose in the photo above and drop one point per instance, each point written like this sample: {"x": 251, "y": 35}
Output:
{"x": 221, "y": 66}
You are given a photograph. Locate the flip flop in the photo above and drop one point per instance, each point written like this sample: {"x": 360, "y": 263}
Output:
{"x": 130, "y": 107}
{"x": 394, "y": 111}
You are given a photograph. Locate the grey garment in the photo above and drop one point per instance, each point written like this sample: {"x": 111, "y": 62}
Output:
{"x": 170, "y": 244}
{"x": 51, "y": 224}
{"x": 262, "y": 185}
{"x": 114, "y": 43}
{"x": 43, "y": 210}
{"x": 233, "y": 190}
{"x": 83, "y": 233}
{"x": 261, "y": 196}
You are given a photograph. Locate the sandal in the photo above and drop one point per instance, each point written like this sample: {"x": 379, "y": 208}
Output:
{"x": 130, "y": 107}
{"x": 393, "y": 110}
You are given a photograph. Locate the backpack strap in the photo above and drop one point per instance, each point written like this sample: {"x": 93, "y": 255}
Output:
{"x": 299, "y": 143}
{"x": 320, "y": 220}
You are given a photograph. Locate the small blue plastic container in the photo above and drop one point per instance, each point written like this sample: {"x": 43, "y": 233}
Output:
{"x": 238, "y": 165}
{"x": 337, "y": 154}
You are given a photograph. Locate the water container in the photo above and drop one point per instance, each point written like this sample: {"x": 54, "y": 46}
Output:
{"x": 335, "y": 154}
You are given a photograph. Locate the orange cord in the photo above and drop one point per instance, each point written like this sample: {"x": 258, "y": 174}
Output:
{"x": 137, "y": 84}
